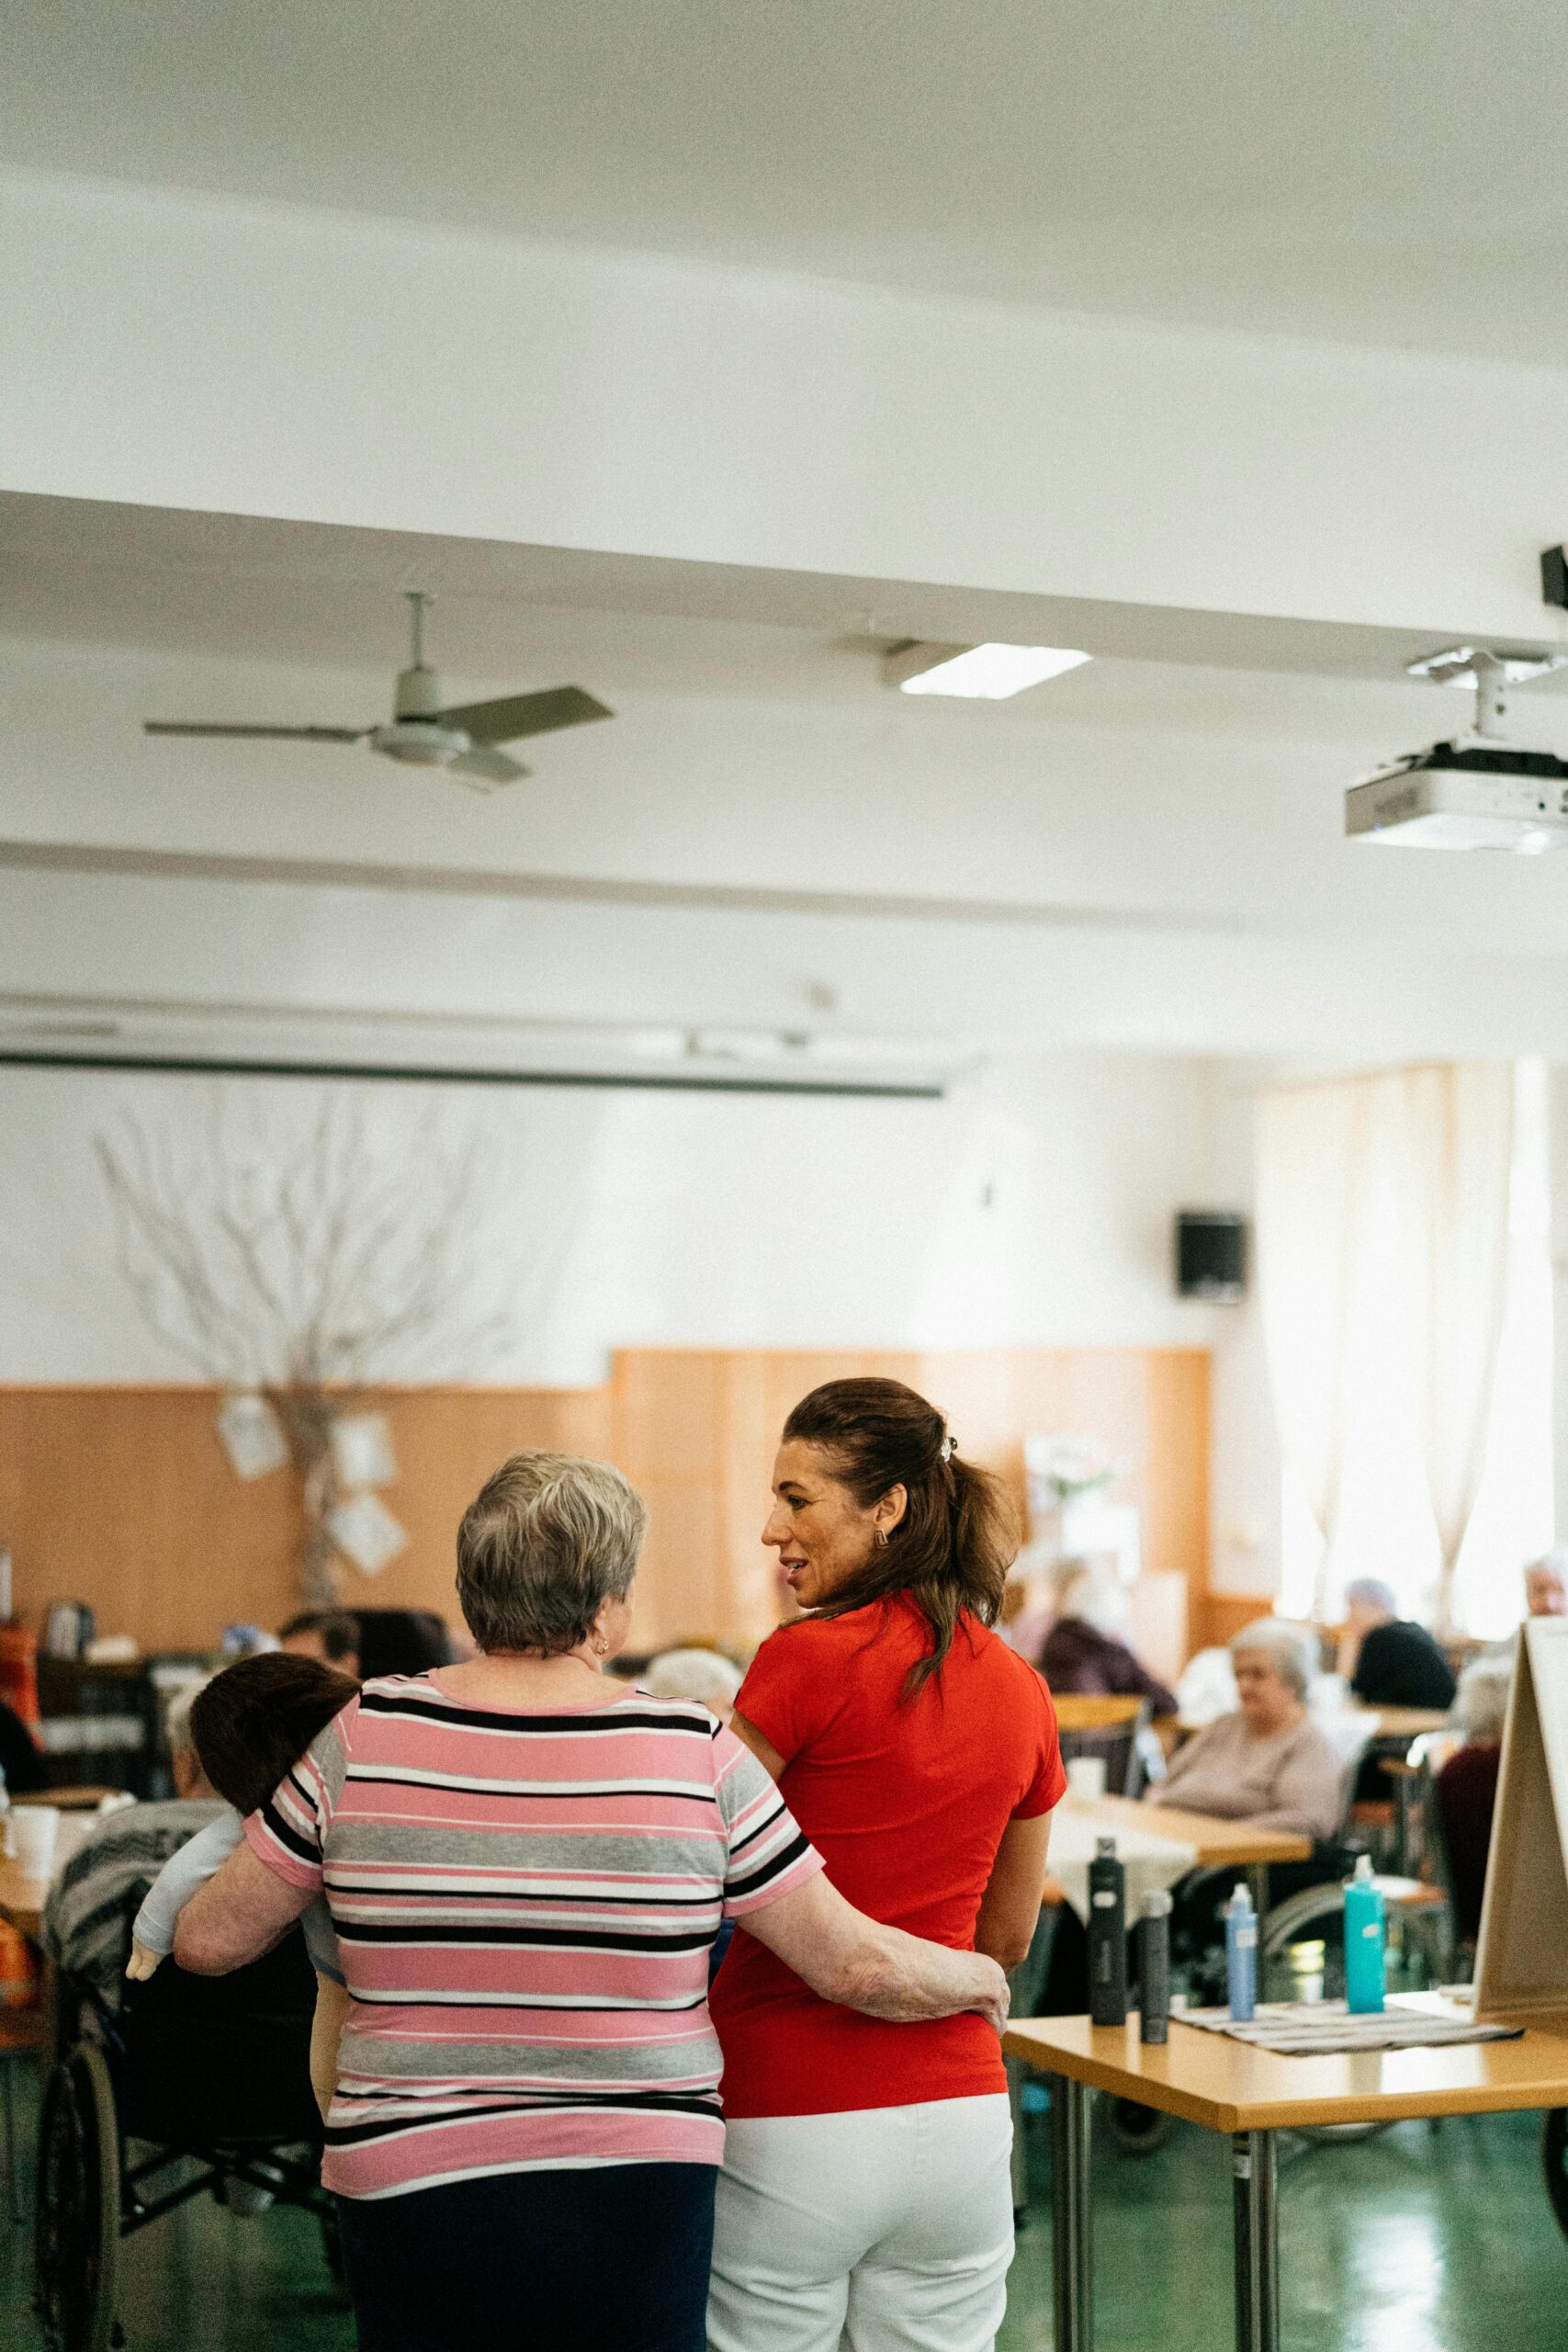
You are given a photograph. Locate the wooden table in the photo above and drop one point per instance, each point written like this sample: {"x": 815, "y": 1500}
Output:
{"x": 1251, "y": 2093}
{"x": 68, "y": 1800}
{"x": 1382, "y": 1723}
{"x": 1219, "y": 1845}
{"x": 22, "y": 1899}
{"x": 1403, "y": 1723}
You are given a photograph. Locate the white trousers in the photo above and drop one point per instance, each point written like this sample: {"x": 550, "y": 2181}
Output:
{"x": 886, "y": 2230}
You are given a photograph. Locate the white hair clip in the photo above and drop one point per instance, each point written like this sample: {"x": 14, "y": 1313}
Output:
{"x": 949, "y": 1448}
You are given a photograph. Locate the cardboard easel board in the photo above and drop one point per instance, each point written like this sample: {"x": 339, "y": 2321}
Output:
{"x": 1522, "y": 1959}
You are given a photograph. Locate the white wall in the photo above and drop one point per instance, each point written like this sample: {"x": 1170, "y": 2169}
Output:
{"x": 1033, "y": 1208}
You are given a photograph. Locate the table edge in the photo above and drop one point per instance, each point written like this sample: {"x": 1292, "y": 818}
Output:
{"x": 1274, "y": 2114}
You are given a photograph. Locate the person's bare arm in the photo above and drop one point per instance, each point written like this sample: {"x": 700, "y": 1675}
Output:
{"x": 239, "y": 1915}
{"x": 332, "y": 2006}
{"x": 846, "y": 1957}
{"x": 1010, "y": 1905}
{"x": 766, "y": 1753}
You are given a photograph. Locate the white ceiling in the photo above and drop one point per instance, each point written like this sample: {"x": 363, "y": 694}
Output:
{"x": 1147, "y": 853}
{"x": 1385, "y": 174}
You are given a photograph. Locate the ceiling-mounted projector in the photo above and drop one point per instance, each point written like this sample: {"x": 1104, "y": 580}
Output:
{"x": 1476, "y": 792}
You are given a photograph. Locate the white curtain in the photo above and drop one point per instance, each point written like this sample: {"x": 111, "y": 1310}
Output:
{"x": 1382, "y": 1228}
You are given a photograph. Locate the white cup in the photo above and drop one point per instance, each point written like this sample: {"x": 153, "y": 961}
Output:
{"x": 30, "y": 1842}
{"x": 1086, "y": 1775}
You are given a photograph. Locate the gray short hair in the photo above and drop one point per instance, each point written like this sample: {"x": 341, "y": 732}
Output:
{"x": 1293, "y": 1649}
{"x": 1372, "y": 1593}
{"x": 1481, "y": 1703}
{"x": 177, "y": 1718}
{"x": 706, "y": 1675}
{"x": 547, "y": 1540}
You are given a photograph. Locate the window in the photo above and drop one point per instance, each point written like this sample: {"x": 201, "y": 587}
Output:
{"x": 1385, "y": 1523}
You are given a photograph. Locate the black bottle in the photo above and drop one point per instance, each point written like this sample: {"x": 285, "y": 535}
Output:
{"x": 1154, "y": 1968}
{"x": 1107, "y": 1936}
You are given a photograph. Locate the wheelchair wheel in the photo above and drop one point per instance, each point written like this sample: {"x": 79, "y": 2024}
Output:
{"x": 1554, "y": 2156}
{"x": 76, "y": 2243}
{"x": 1137, "y": 2130}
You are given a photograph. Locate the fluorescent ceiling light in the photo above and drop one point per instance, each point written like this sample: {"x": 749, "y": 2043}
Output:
{"x": 978, "y": 673}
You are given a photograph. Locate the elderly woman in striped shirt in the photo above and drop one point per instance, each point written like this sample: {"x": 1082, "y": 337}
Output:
{"x": 526, "y": 1865}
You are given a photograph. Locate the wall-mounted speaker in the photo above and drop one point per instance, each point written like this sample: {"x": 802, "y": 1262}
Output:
{"x": 1211, "y": 1255}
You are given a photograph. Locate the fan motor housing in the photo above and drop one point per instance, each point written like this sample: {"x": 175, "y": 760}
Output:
{"x": 420, "y": 742}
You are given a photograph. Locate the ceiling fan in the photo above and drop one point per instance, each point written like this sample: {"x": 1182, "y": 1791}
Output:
{"x": 461, "y": 739}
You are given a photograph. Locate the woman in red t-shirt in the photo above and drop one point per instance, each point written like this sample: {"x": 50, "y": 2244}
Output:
{"x": 865, "y": 2191}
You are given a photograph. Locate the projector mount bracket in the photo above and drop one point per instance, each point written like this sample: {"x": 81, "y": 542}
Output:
{"x": 1491, "y": 671}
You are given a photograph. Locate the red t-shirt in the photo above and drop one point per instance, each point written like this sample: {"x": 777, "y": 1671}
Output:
{"x": 907, "y": 1801}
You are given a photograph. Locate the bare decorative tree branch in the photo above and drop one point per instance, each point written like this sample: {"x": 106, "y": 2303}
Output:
{"x": 306, "y": 1270}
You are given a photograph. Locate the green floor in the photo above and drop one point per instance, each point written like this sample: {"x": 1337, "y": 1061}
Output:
{"x": 1431, "y": 2238}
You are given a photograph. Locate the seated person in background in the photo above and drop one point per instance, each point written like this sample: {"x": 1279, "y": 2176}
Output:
{"x": 1084, "y": 1650}
{"x": 1267, "y": 1763}
{"x": 1384, "y": 1659}
{"x": 1546, "y": 1586}
{"x": 249, "y": 1725}
{"x": 329, "y": 1636}
{"x": 1027, "y": 1611}
{"x": 702, "y": 1675}
{"x": 1466, "y": 1788}
{"x": 22, "y": 1761}
{"x": 714, "y": 1683}
{"x": 83, "y": 1920}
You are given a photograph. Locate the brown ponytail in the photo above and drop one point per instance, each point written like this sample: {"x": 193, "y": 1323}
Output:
{"x": 958, "y": 1537}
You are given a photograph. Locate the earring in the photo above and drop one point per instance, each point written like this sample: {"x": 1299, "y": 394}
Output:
{"x": 882, "y": 1539}
{"x": 600, "y": 1648}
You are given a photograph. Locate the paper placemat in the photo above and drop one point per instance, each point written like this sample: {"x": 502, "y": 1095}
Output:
{"x": 1326, "y": 2028}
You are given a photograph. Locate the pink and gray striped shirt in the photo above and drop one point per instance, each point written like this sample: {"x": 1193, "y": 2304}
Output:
{"x": 525, "y": 1904}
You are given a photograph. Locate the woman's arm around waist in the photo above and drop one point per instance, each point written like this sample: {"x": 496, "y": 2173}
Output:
{"x": 845, "y": 1957}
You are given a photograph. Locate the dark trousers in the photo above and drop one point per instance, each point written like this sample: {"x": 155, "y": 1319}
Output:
{"x": 611, "y": 2258}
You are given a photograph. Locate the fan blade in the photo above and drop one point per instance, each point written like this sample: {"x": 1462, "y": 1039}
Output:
{"x": 484, "y": 768}
{"x": 257, "y": 734}
{"x": 518, "y": 715}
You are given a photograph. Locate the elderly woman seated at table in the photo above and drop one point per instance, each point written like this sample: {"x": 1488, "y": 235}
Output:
{"x": 1084, "y": 1650}
{"x": 1267, "y": 1762}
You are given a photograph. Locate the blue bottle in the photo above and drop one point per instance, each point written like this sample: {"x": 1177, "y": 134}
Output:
{"x": 1241, "y": 1955}
{"x": 1363, "y": 1940}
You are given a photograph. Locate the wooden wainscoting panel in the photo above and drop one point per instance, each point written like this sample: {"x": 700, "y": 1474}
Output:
{"x": 1175, "y": 1498}
{"x": 125, "y": 1499}
{"x": 1218, "y": 1617}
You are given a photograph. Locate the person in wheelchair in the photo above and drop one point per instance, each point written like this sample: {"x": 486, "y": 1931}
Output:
{"x": 84, "y": 1917}
{"x": 249, "y": 1724}
{"x": 1267, "y": 1762}
{"x": 168, "y": 2085}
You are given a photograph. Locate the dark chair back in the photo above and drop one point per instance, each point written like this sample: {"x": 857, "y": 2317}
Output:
{"x": 401, "y": 1641}
{"x": 1092, "y": 1724}
{"x": 214, "y": 2060}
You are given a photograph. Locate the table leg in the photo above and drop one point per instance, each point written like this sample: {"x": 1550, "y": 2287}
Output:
{"x": 1073, "y": 2244}
{"x": 1258, "y": 1880}
{"x": 1256, "y": 2173}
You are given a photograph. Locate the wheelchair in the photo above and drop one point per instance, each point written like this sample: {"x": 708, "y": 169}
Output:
{"x": 197, "y": 2084}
